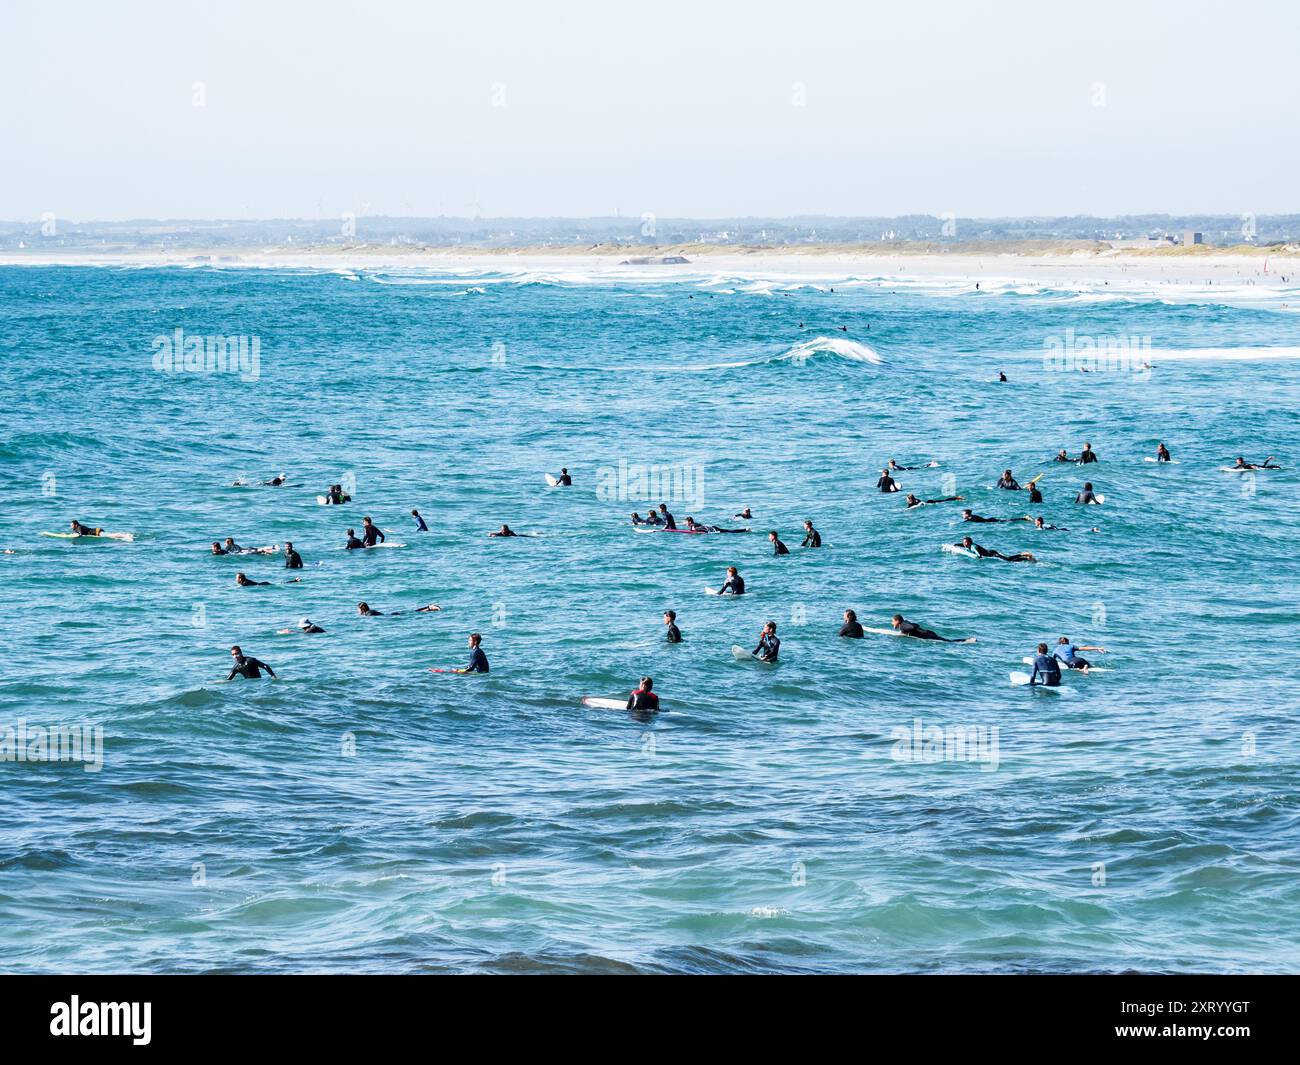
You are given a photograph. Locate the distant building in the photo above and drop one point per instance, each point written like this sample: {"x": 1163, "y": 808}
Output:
{"x": 1190, "y": 237}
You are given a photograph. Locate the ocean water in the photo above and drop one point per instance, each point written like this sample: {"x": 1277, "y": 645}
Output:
{"x": 363, "y": 814}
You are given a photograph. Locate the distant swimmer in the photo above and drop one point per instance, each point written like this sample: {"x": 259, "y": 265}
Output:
{"x": 1047, "y": 668}
{"x": 275, "y": 482}
{"x": 912, "y": 501}
{"x": 505, "y": 530}
{"x": 638, "y": 520}
{"x": 886, "y": 483}
{"x": 1087, "y": 495}
{"x": 292, "y": 560}
{"x": 769, "y": 645}
{"x": 985, "y": 552}
{"x": 644, "y": 700}
{"x": 1240, "y": 464}
{"x": 811, "y": 537}
{"x": 305, "y": 625}
{"x": 1008, "y": 483}
{"x": 1162, "y": 453}
{"x": 851, "y": 628}
{"x": 734, "y": 584}
{"x": 1061, "y": 456}
{"x": 354, "y": 544}
{"x": 744, "y": 514}
{"x": 371, "y": 533}
{"x": 674, "y": 634}
{"x": 232, "y": 548}
{"x": 419, "y": 522}
{"x": 244, "y": 581}
{"x": 970, "y": 515}
{"x": 778, "y": 548}
{"x": 246, "y": 666}
{"x": 565, "y": 480}
{"x": 894, "y": 467}
{"x": 217, "y": 549}
{"x": 366, "y": 612}
{"x": 1087, "y": 455}
{"x": 478, "y": 662}
{"x": 1002, "y": 376}
{"x": 668, "y": 520}
{"x": 652, "y": 518}
{"x": 910, "y": 628}
{"x": 1068, "y": 653}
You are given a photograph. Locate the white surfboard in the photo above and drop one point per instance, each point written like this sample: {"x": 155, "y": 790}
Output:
{"x": 739, "y": 653}
{"x": 1152, "y": 458}
{"x": 1238, "y": 469}
{"x": 1020, "y": 680}
{"x": 122, "y": 537}
{"x": 552, "y": 480}
{"x": 957, "y": 549}
{"x": 386, "y": 543}
{"x": 712, "y": 591}
{"x": 604, "y": 704}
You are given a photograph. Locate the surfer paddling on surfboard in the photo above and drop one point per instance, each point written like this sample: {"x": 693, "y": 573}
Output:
{"x": 912, "y": 501}
{"x": 985, "y": 552}
{"x": 1068, "y": 653}
{"x": 910, "y": 628}
{"x": 970, "y": 515}
{"x": 886, "y": 483}
{"x": 734, "y": 584}
{"x": 1242, "y": 464}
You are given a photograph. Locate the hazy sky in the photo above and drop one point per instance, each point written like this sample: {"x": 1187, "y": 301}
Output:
{"x": 701, "y": 108}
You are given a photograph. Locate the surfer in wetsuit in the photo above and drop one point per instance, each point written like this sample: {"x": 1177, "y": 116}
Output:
{"x": 247, "y": 666}
{"x": 353, "y": 543}
{"x": 769, "y": 645}
{"x": 478, "y": 662}
{"x": 1047, "y": 667}
{"x": 336, "y": 496}
{"x": 275, "y": 482}
{"x": 1042, "y": 526}
{"x": 217, "y": 548}
{"x": 244, "y": 582}
{"x": 674, "y": 634}
{"x": 1162, "y": 453}
{"x": 851, "y": 628}
{"x": 419, "y": 522}
{"x": 1087, "y": 455}
{"x": 292, "y": 560}
{"x": 305, "y": 625}
{"x": 734, "y": 584}
{"x": 1035, "y": 496}
{"x": 1068, "y": 653}
{"x": 364, "y": 610}
{"x": 1001, "y": 376}
{"x": 565, "y": 480}
{"x": 778, "y": 548}
{"x": 644, "y": 700}
{"x": 668, "y": 520}
{"x": 371, "y": 533}
{"x": 1061, "y": 456}
{"x": 652, "y": 517}
{"x": 85, "y": 530}
{"x": 1008, "y": 483}
{"x": 1087, "y": 495}
{"x": 910, "y": 628}
{"x": 744, "y": 514}
{"x": 638, "y": 520}
{"x": 970, "y": 515}
{"x": 1240, "y": 464}
{"x": 886, "y": 483}
{"x": 894, "y": 467}
{"x": 233, "y": 548}
{"x": 505, "y": 530}
{"x": 985, "y": 552}
{"x": 912, "y": 501}
{"x": 811, "y": 537}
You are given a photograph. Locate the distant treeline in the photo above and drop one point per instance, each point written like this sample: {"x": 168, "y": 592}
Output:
{"x": 572, "y": 233}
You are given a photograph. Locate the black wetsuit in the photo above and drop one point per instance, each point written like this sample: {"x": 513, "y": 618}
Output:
{"x": 769, "y": 646}
{"x": 851, "y": 629}
{"x": 478, "y": 662}
{"x": 779, "y": 548}
{"x": 292, "y": 560}
{"x": 353, "y": 543}
{"x": 566, "y": 481}
{"x": 1086, "y": 496}
{"x": 371, "y": 534}
{"x": 250, "y": 583}
{"x": 419, "y": 524}
{"x": 1009, "y": 484}
{"x": 646, "y": 702}
{"x": 886, "y": 483}
{"x": 312, "y": 628}
{"x": 1087, "y": 456}
{"x": 669, "y": 521}
{"x": 735, "y": 585}
{"x": 674, "y": 634}
{"x": 1035, "y": 496}
{"x": 979, "y": 520}
{"x": 1049, "y": 669}
{"x": 812, "y": 538}
{"x": 247, "y": 666}
{"x": 1162, "y": 455}
{"x": 911, "y": 628}
{"x": 653, "y": 518}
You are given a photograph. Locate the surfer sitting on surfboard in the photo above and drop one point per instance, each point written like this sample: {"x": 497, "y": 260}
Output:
{"x": 419, "y": 522}
{"x": 1007, "y": 482}
{"x": 910, "y": 628}
{"x": 1087, "y": 495}
{"x": 1162, "y": 453}
{"x": 337, "y": 496}
{"x": 644, "y": 699}
{"x": 1067, "y": 652}
{"x": 1045, "y": 666}
{"x": 851, "y": 627}
{"x": 246, "y": 666}
{"x": 970, "y": 515}
{"x": 668, "y": 520}
{"x": 478, "y": 662}
{"x": 811, "y": 537}
{"x": 778, "y": 548}
{"x": 985, "y": 552}
{"x": 769, "y": 645}
{"x": 565, "y": 481}
{"x": 734, "y": 584}
{"x": 886, "y": 483}
{"x": 371, "y": 533}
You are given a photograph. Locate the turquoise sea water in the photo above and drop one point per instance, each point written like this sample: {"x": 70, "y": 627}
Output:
{"x": 363, "y": 814}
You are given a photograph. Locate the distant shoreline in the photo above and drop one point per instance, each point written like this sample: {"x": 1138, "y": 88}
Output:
{"x": 1200, "y": 264}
